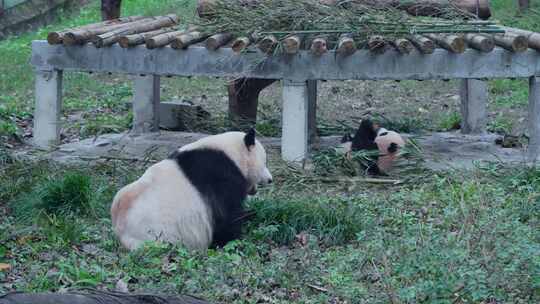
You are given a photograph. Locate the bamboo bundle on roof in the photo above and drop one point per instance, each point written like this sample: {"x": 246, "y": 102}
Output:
{"x": 58, "y": 37}
{"x": 112, "y": 37}
{"x": 163, "y": 39}
{"x": 81, "y": 36}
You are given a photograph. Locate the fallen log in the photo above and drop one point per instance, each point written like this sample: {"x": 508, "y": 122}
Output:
{"x": 423, "y": 44}
{"x": 435, "y": 8}
{"x": 533, "y": 38}
{"x": 480, "y": 42}
{"x": 137, "y": 39}
{"x": 96, "y": 297}
{"x": 58, "y": 37}
{"x": 452, "y": 43}
{"x": 512, "y": 42}
{"x": 109, "y": 38}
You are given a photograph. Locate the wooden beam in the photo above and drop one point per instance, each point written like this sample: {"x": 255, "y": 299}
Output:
{"x": 362, "y": 65}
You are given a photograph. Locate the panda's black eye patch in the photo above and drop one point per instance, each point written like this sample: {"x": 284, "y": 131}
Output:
{"x": 383, "y": 134}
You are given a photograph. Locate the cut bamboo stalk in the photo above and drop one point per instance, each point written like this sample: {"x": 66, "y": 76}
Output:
{"x": 162, "y": 40}
{"x": 58, "y": 37}
{"x": 532, "y": 37}
{"x": 423, "y": 44}
{"x": 377, "y": 44}
{"x": 82, "y": 36}
{"x": 452, "y": 43}
{"x": 137, "y": 39}
{"x": 109, "y": 38}
{"x": 267, "y": 44}
{"x": 291, "y": 44}
{"x": 480, "y": 42}
{"x": 240, "y": 43}
{"x": 512, "y": 42}
{"x": 318, "y": 46}
{"x": 187, "y": 39}
{"x": 346, "y": 45}
{"x": 216, "y": 41}
{"x": 403, "y": 46}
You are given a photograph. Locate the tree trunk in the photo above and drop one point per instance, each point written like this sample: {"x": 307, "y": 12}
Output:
{"x": 523, "y": 5}
{"x": 244, "y": 99}
{"x": 110, "y": 9}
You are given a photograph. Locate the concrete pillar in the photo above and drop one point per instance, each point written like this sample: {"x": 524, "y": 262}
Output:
{"x": 312, "y": 110}
{"x": 294, "y": 138}
{"x": 533, "y": 149}
{"x": 48, "y": 108}
{"x": 474, "y": 96}
{"x": 146, "y": 104}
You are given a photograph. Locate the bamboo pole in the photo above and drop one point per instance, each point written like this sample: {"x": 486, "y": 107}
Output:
{"x": 267, "y": 44}
{"x": 240, "y": 44}
{"x": 291, "y": 44}
{"x": 377, "y": 44}
{"x": 533, "y": 38}
{"x": 452, "y": 43}
{"x": 58, "y": 37}
{"x": 216, "y": 41}
{"x": 81, "y": 36}
{"x": 185, "y": 40}
{"x": 109, "y": 38}
{"x": 137, "y": 39}
{"x": 512, "y": 42}
{"x": 346, "y": 45}
{"x": 423, "y": 44}
{"x": 163, "y": 39}
{"x": 480, "y": 42}
{"x": 403, "y": 46}
{"x": 318, "y": 46}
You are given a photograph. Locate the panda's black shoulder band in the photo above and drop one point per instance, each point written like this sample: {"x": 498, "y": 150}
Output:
{"x": 249, "y": 139}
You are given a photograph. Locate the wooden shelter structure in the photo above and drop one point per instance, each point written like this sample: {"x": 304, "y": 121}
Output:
{"x": 153, "y": 47}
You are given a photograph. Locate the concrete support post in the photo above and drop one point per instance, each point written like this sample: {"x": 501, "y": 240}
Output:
{"x": 533, "y": 150}
{"x": 474, "y": 97}
{"x": 146, "y": 99}
{"x": 48, "y": 108}
{"x": 294, "y": 138}
{"x": 312, "y": 110}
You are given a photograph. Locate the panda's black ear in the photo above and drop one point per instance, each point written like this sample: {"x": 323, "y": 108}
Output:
{"x": 249, "y": 139}
{"x": 346, "y": 138}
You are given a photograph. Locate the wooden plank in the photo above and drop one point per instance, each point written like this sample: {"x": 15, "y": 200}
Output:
{"x": 362, "y": 65}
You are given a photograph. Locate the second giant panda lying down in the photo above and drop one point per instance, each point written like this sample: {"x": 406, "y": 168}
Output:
{"x": 195, "y": 196}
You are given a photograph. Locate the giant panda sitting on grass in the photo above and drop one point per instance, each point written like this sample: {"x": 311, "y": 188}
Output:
{"x": 195, "y": 196}
{"x": 371, "y": 137}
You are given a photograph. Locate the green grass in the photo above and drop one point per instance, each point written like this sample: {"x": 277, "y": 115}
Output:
{"x": 468, "y": 236}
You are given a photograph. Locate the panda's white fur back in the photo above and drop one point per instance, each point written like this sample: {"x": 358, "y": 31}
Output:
{"x": 168, "y": 203}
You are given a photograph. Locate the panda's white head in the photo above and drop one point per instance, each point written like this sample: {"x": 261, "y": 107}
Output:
{"x": 244, "y": 150}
